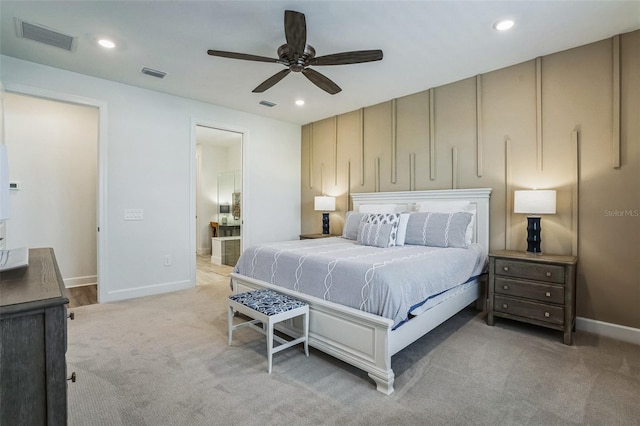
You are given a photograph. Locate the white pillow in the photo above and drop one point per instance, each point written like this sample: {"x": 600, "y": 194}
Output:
{"x": 382, "y": 208}
{"x": 452, "y": 207}
{"x": 402, "y": 228}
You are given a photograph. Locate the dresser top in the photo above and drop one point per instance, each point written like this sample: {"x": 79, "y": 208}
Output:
{"x": 543, "y": 258}
{"x": 38, "y": 285}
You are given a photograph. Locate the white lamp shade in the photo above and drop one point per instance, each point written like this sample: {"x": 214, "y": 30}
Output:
{"x": 4, "y": 183}
{"x": 535, "y": 201}
{"x": 324, "y": 204}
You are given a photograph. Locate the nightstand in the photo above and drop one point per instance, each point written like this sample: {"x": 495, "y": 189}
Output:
{"x": 314, "y": 236}
{"x": 536, "y": 289}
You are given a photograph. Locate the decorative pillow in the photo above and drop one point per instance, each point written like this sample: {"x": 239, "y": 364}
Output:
{"x": 351, "y": 223}
{"x": 389, "y": 218}
{"x": 382, "y": 208}
{"x": 378, "y": 235}
{"x": 450, "y": 207}
{"x": 438, "y": 229}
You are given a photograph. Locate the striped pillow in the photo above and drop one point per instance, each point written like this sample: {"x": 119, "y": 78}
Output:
{"x": 438, "y": 229}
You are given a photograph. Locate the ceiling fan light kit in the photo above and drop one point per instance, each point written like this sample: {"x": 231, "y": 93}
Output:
{"x": 298, "y": 56}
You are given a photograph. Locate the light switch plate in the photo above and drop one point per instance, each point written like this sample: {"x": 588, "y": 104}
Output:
{"x": 133, "y": 214}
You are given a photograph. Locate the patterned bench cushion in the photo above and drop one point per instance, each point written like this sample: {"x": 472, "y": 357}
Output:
{"x": 267, "y": 302}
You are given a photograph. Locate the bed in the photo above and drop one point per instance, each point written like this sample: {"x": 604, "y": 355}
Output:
{"x": 367, "y": 325}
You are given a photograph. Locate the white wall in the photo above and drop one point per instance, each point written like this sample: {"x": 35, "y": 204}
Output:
{"x": 53, "y": 148}
{"x": 147, "y": 159}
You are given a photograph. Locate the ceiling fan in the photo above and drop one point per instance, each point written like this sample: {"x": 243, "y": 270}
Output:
{"x": 298, "y": 56}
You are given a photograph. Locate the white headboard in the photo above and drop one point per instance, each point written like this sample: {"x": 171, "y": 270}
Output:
{"x": 477, "y": 196}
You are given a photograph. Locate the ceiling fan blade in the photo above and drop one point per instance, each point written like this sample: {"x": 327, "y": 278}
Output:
{"x": 268, "y": 83}
{"x": 321, "y": 81}
{"x": 295, "y": 30}
{"x": 345, "y": 58}
{"x": 246, "y": 57}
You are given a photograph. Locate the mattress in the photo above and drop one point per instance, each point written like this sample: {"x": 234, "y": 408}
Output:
{"x": 389, "y": 282}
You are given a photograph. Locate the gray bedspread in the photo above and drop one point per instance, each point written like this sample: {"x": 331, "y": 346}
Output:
{"x": 384, "y": 281}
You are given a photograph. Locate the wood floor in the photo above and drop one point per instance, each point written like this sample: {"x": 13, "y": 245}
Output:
{"x": 206, "y": 272}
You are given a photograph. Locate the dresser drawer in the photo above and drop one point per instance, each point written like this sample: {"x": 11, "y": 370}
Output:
{"x": 530, "y": 290}
{"x": 532, "y": 271}
{"x": 532, "y": 310}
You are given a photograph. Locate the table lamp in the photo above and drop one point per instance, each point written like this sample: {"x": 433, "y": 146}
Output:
{"x": 325, "y": 205}
{"x": 534, "y": 202}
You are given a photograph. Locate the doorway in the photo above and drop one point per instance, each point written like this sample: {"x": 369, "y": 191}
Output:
{"x": 219, "y": 201}
{"x": 53, "y": 147}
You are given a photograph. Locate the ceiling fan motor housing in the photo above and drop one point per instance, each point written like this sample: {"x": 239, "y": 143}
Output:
{"x": 294, "y": 62}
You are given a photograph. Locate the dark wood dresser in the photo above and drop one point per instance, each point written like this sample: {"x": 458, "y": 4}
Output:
{"x": 537, "y": 289}
{"x": 33, "y": 326}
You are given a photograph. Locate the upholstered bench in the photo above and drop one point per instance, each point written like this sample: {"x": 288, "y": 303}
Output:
{"x": 269, "y": 307}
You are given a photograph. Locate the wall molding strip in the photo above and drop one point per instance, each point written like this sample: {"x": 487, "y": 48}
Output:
{"x": 616, "y": 102}
{"x": 310, "y": 155}
{"x": 412, "y": 171}
{"x": 394, "y": 141}
{"x": 575, "y": 193}
{"x": 539, "y": 113}
{"x": 335, "y": 152}
{"x": 507, "y": 193}
{"x": 349, "y": 185}
{"x": 454, "y": 167}
{"x": 432, "y": 135}
{"x": 376, "y": 168}
{"x": 322, "y": 179}
{"x": 361, "y": 146}
{"x": 479, "y": 144}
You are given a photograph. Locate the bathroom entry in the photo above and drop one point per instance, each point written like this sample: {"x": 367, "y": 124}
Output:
{"x": 218, "y": 194}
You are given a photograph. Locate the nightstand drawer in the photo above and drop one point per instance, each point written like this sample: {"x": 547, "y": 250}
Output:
{"x": 529, "y": 270}
{"x": 532, "y": 310}
{"x": 530, "y": 290}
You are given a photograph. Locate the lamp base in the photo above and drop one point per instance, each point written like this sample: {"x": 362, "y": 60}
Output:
{"x": 325, "y": 223}
{"x": 533, "y": 235}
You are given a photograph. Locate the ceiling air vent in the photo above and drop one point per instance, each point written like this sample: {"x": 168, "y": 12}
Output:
{"x": 45, "y": 35}
{"x": 153, "y": 73}
{"x": 267, "y": 104}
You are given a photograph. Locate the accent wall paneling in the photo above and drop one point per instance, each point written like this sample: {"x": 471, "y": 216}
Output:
{"x": 549, "y": 122}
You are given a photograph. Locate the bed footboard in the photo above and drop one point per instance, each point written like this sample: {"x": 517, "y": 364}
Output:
{"x": 355, "y": 337}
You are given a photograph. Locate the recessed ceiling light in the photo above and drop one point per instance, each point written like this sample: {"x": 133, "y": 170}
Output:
{"x": 299, "y": 102}
{"x": 108, "y": 44}
{"x": 503, "y": 25}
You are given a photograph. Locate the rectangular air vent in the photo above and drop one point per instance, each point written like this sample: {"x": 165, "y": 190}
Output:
{"x": 267, "y": 104}
{"x": 153, "y": 73}
{"x": 45, "y": 35}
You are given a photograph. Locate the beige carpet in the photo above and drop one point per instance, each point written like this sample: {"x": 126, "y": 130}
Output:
{"x": 164, "y": 360}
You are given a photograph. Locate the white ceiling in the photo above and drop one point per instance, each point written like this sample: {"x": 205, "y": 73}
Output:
{"x": 425, "y": 44}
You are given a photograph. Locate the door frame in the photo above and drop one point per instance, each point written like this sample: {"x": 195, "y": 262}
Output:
{"x": 101, "y": 196}
{"x": 244, "y": 140}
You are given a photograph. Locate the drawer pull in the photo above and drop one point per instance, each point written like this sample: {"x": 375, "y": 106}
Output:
{"x": 506, "y": 287}
{"x": 72, "y": 379}
{"x": 548, "y": 274}
{"x": 71, "y": 316}
{"x": 504, "y": 306}
{"x": 548, "y": 294}
{"x": 546, "y": 315}
{"x": 506, "y": 268}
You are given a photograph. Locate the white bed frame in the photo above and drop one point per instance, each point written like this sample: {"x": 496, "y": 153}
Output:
{"x": 364, "y": 340}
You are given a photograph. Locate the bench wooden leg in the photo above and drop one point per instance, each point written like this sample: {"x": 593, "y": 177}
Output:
{"x": 270, "y": 344}
{"x": 230, "y": 322}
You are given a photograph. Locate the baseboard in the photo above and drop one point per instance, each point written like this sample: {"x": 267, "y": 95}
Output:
{"x": 150, "y": 290}
{"x": 80, "y": 281}
{"x": 606, "y": 329}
